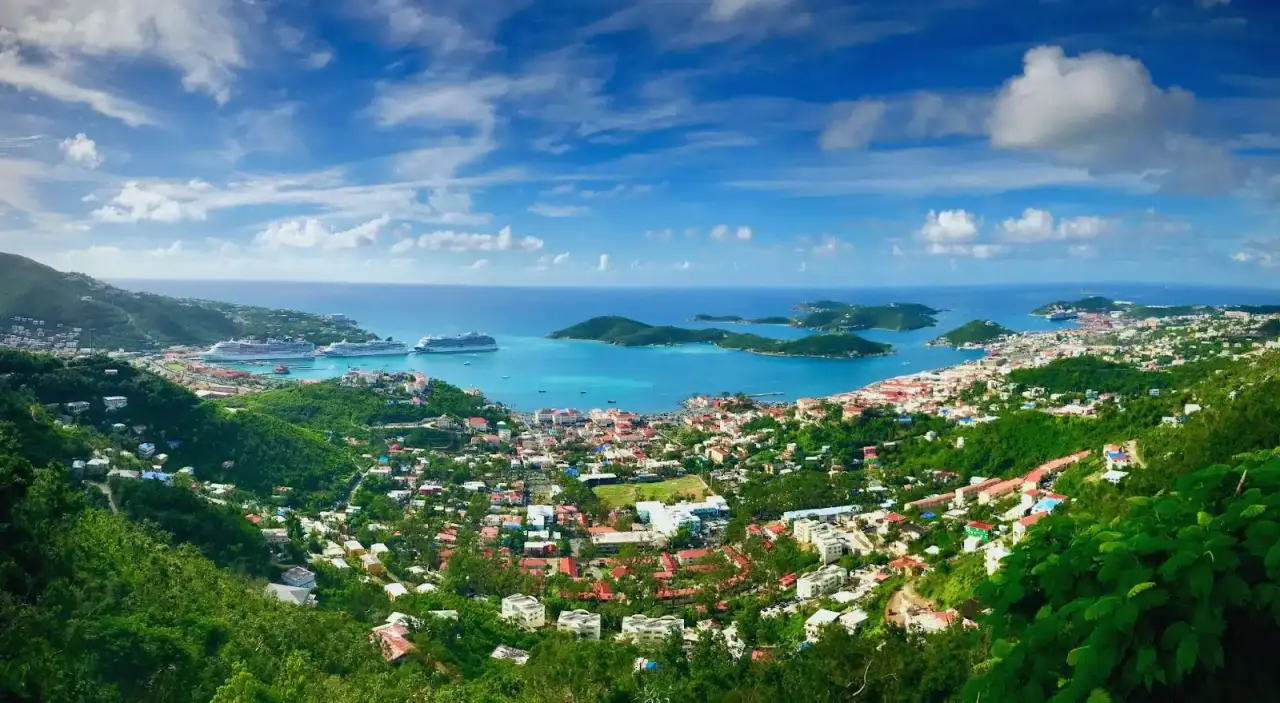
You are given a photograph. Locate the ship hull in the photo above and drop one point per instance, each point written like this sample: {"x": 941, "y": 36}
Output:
{"x": 456, "y": 350}
{"x": 265, "y": 356}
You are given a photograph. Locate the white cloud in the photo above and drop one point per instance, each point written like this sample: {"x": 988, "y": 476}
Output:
{"x": 720, "y": 233}
{"x": 310, "y": 233}
{"x": 853, "y": 126}
{"x": 684, "y": 266}
{"x": 457, "y": 241}
{"x": 1082, "y": 251}
{"x": 54, "y": 84}
{"x": 81, "y": 150}
{"x": 1038, "y": 226}
{"x": 603, "y": 265}
{"x": 138, "y": 203}
{"x": 1104, "y": 112}
{"x": 743, "y": 234}
{"x": 548, "y": 210}
{"x": 1263, "y": 252}
{"x": 988, "y": 251}
{"x": 949, "y": 227}
{"x": 560, "y": 258}
{"x": 725, "y": 233}
{"x": 404, "y": 246}
{"x": 830, "y": 245}
{"x": 726, "y": 10}
{"x": 198, "y": 37}
{"x": 480, "y": 263}
{"x": 662, "y": 235}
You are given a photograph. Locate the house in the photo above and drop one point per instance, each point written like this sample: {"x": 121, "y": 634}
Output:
{"x": 511, "y": 654}
{"x": 395, "y": 590}
{"x": 1020, "y": 527}
{"x": 290, "y": 594}
{"x": 392, "y": 640}
{"x": 981, "y": 530}
{"x": 372, "y": 564}
{"x": 339, "y": 563}
{"x": 524, "y": 611}
{"x": 1116, "y": 458}
{"x": 647, "y": 631}
{"x": 852, "y": 620}
{"x": 1114, "y": 476}
{"x": 115, "y": 402}
{"x": 146, "y": 450}
{"x": 379, "y": 548}
{"x": 931, "y": 622}
{"x": 813, "y": 626}
{"x": 999, "y": 490}
{"x": 353, "y": 547}
{"x": 581, "y": 623}
{"x": 994, "y": 555}
{"x": 299, "y": 577}
{"x": 827, "y": 579}
{"x": 477, "y": 424}
{"x": 276, "y": 535}
{"x": 77, "y": 407}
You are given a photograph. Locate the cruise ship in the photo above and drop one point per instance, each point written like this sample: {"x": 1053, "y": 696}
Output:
{"x": 236, "y": 351}
{"x": 469, "y": 342}
{"x": 385, "y": 347}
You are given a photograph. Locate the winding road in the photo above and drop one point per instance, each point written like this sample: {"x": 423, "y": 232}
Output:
{"x": 106, "y": 491}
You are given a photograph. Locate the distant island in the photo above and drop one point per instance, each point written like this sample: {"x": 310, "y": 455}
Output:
{"x": 739, "y": 320}
{"x": 835, "y": 316}
{"x": 625, "y": 332}
{"x": 36, "y": 297}
{"x": 974, "y": 332}
{"x": 1067, "y": 309}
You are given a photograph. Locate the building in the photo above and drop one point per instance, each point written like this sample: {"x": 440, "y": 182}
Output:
{"x": 524, "y": 611}
{"x": 613, "y": 541}
{"x": 395, "y": 590}
{"x": 999, "y": 490}
{"x": 581, "y": 623}
{"x": 813, "y": 626}
{"x": 995, "y": 553}
{"x": 115, "y": 402}
{"x": 392, "y": 639}
{"x": 372, "y": 564}
{"x": 828, "y": 545}
{"x": 668, "y": 519}
{"x": 353, "y": 547}
{"x": 276, "y": 535}
{"x": 852, "y": 620}
{"x": 299, "y": 577}
{"x": 539, "y": 517}
{"x": 290, "y": 594}
{"x": 827, "y": 579}
{"x": 1114, "y": 476}
{"x": 980, "y": 530}
{"x": 146, "y": 450}
{"x": 511, "y": 654}
{"x": 647, "y": 631}
{"x": 1020, "y": 527}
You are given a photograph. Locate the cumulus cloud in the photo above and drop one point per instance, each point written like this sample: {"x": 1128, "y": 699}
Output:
{"x": 684, "y": 265}
{"x": 81, "y": 150}
{"x": 830, "y": 245}
{"x": 458, "y": 241}
{"x": 603, "y": 265}
{"x": 138, "y": 203}
{"x": 949, "y": 227}
{"x": 1262, "y": 252}
{"x": 310, "y": 233}
{"x": 853, "y": 125}
{"x": 547, "y": 210}
{"x": 1104, "y": 112}
{"x": 1039, "y": 226}
{"x": 725, "y": 233}
{"x": 547, "y": 261}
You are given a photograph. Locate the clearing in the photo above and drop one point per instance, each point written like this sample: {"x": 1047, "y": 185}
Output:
{"x": 628, "y": 493}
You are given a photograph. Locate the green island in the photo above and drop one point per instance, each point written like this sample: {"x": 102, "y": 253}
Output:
{"x": 625, "y": 332}
{"x": 113, "y": 318}
{"x": 829, "y": 315}
{"x": 1091, "y": 304}
{"x": 973, "y": 332}
{"x": 1101, "y": 304}
{"x": 737, "y": 319}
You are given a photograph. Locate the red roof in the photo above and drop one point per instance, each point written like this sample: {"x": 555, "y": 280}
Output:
{"x": 739, "y": 560}
{"x": 907, "y": 561}
{"x": 692, "y": 554}
{"x": 787, "y": 581}
{"x": 255, "y": 519}
{"x": 392, "y": 640}
{"x": 600, "y": 530}
{"x": 894, "y": 517}
{"x": 619, "y": 572}
{"x": 981, "y": 526}
{"x": 1030, "y": 520}
{"x": 668, "y": 563}
{"x": 569, "y": 567}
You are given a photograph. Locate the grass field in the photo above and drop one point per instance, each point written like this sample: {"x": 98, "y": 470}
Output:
{"x": 629, "y": 493}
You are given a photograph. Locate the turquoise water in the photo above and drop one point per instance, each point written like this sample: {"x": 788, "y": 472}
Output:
{"x": 588, "y": 374}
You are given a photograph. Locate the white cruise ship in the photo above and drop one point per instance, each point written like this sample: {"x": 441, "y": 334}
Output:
{"x": 236, "y": 351}
{"x": 469, "y": 342}
{"x": 385, "y": 347}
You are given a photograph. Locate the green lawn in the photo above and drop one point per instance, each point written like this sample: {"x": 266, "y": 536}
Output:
{"x": 629, "y": 493}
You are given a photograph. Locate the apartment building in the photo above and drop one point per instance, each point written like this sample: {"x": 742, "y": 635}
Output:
{"x": 821, "y": 582}
{"x": 582, "y": 623}
{"x": 649, "y": 631}
{"x": 525, "y": 611}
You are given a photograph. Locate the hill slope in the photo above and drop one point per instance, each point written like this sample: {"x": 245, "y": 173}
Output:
{"x": 626, "y": 332}
{"x": 112, "y": 317}
{"x": 973, "y": 332}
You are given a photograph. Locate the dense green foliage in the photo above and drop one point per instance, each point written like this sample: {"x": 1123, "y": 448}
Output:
{"x": 1083, "y": 373}
{"x": 899, "y": 317}
{"x": 220, "y": 532}
{"x": 1177, "y": 600}
{"x": 1269, "y": 329}
{"x": 974, "y": 332}
{"x": 256, "y": 452}
{"x": 1096, "y": 303}
{"x": 775, "y": 320}
{"x": 332, "y": 406}
{"x": 115, "y": 318}
{"x": 630, "y": 333}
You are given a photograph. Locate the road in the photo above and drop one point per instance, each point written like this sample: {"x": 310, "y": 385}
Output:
{"x": 106, "y": 492}
{"x": 1131, "y": 447}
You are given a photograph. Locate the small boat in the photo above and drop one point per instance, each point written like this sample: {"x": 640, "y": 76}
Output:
{"x": 541, "y": 391}
{"x": 583, "y": 392}
{"x": 282, "y": 370}
{"x": 506, "y": 377}
{"x": 466, "y": 363}
{"x": 611, "y": 400}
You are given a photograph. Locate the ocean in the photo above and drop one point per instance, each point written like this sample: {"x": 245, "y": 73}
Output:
{"x": 530, "y": 371}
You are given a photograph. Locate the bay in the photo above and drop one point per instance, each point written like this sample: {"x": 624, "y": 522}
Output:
{"x": 541, "y": 372}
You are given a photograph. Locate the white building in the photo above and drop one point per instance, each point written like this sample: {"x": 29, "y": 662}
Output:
{"x": 852, "y": 620}
{"x": 813, "y": 626}
{"x": 995, "y": 553}
{"x": 538, "y": 517}
{"x": 827, "y": 579}
{"x": 668, "y": 519}
{"x": 299, "y": 577}
{"x": 115, "y": 402}
{"x": 395, "y": 590}
{"x": 649, "y": 631}
{"x": 581, "y": 623}
{"x": 525, "y": 611}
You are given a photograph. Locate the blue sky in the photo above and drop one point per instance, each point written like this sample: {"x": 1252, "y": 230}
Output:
{"x": 644, "y": 142}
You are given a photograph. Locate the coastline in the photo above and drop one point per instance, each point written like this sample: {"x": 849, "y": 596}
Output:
{"x": 757, "y": 352}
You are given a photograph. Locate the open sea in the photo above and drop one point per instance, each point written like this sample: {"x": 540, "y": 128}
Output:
{"x": 530, "y": 371}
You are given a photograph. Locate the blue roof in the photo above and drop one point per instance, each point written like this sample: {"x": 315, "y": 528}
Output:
{"x": 905, "y": 420}
{"x": 571, "y": 472}
{"x": 382, "y": 460}
{"x": 157, "y": 476}
{"x": 928, "y": 516}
